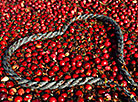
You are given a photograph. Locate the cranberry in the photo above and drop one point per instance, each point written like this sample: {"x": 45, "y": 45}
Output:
{"x": 101, "y": 91}
{"x": 79, "y": 93}
{"x": 12, "y": 91}
{"x": 65, "y": 69}
{"x": 3, "y": 96}
{"x": 104, "y": 62}
{"x": 9, "y": 84}
{"x": 80, "y": 100}
{"x": 79, "y": 63}
{"x": 106, "y": 55}
{"x": 21, "y": 91}
{"x": 33, "y": 67}
{"x": 88, "y": 87}
{"x": 55, "y": 68}
{"x": 120, "y": 77}
{"x": 52, "y": 99}
{"x": 51, "y": 73}
{"x": 64, "y": 95}
{"x": 100, "y": 99}
{"x": 124, "y": 83}
{"x": 97, "y": 60}
{"x": 18, "y": 99}
{"x": 61, "y": 99}
{"x": 115, "y": 68}
{"x": 62, "y": 62}
{"x": 107, "y": 68}
{"x": 86, "y": 58}
{"x": 36, "y": 100}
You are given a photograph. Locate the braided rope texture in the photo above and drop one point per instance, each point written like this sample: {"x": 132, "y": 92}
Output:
{"x": 70, "y": 82}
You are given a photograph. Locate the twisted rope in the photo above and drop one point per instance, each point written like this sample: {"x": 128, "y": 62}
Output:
{"x": 70, "y": 82}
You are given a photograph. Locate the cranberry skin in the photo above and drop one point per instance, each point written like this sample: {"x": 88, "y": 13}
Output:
{"x": 45, "y": 79}
{"x": 133, "y": 93}
{"x": 29, "y": 59}
{"x": 88, "y": 87}
{"x": 29, "y": 50}
{"x": 47, "y": 59}
{"x": 62, "y": 63}
{"x": 3, "y": 96}
{"x": 27, "y": 90}
{"x": 100, "y": 99}
{"x": 87, "y": 65}
{"x": 36, "y": 100}
{"x": 79, "y": 63}
{"x": 114, "y": 74}
{"x": 136, "y": 74}
{"x": 107, "y": 44}
{"x": 78, "y": 57}
{"x": 136, "y": 55}
{"x": 101, "y": 91}
{"x": 65, "y": 69}
{"x": 106, "y": 55}
{"x": 99, "y": 67}
{"x": 52, "y": 99}
{"x": 124, "y": 83}
{"x": 3, "y": 90}
{"x": 80, "y": 100}
{"x": 55, "y": 68}
{"x": 120, "y": 77}
{"x": 107, "y": 68}
{"x": 86, "y": 58}
{"x": 33, "y": 67}
{"x": 104, "y": 63}
{"x": 9, "y": 84}
{"x": 97, "y": 60}
{"x": 64, "y": 95}
{"x": 61, "y": 99}
{"x": 79, "y": 93}
{"x": 12, "y": 91}
{"x": 28, "y": 55}
{"x": 38, "y": 72}
{"x": 66, "y": 59}
{"x": 115, "y": 95}
{"x": 18, "y": 99}
{"x": 45, "y": 97}
{"x": 115, "y": 68}
{"x": 73, "y": 63}
{"x": 21, "y": 91}
{"x": 51, "y": 73}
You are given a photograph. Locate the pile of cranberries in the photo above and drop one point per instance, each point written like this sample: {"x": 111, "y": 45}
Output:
{"x": 86, "y": 49}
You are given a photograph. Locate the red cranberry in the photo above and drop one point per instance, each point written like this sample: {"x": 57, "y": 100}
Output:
{"x": 79, "y": 93}
{"x": 55, "y": 68}
{"x": 61, "y": 99}
{"x": 3, "y": 96}
{"x": 86, "y": 58}
{"x": 21, "y": 91}
{"x": 45, "y": 97}
{"x": 9, "y": 84}
{"x": 80, "y": 100}
{"x": 62, "y": 62}
{"x": 120, "y": 77}
{"x": 79, "y": 63}
{"x": 101, "y": 91}
{"x": 88, "y": 87}
{"x": 104, "y": 62}
{"x": 124, "y": 83}
{"x": 18, "y": 99}
{"x": 52, "y": 99}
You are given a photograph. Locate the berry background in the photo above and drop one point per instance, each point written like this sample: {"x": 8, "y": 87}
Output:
{"x": 20, "y": 18}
